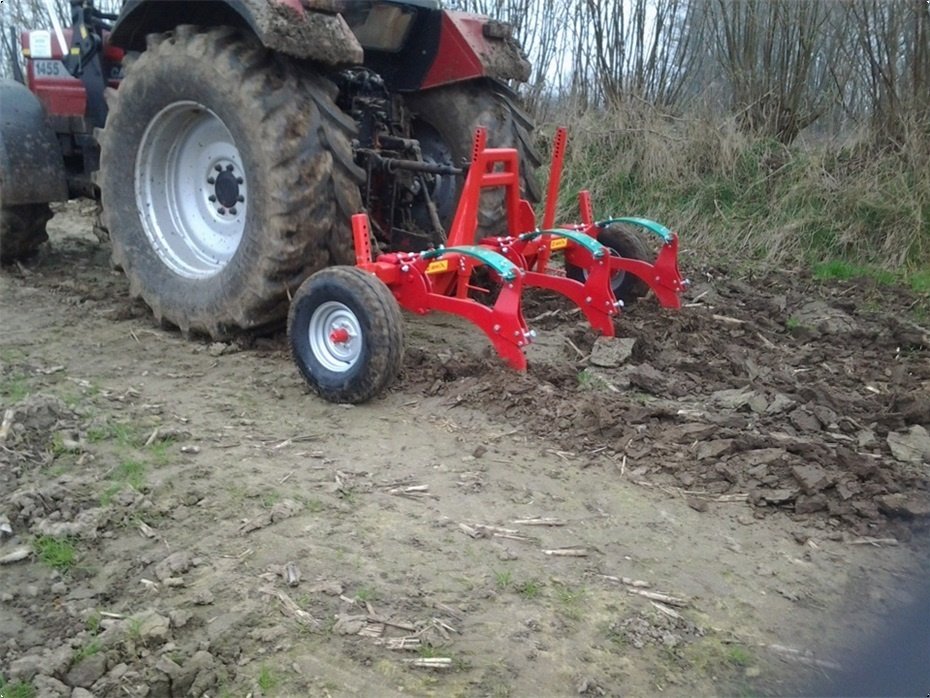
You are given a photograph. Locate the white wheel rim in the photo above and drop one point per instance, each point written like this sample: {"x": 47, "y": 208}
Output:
{"x": 335, "y": 336}
{"x": 191, "y": 190}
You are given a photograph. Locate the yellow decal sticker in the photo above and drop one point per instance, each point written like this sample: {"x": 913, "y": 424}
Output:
{"x": 558, "y": 244}
{"x": 438, "y": 267}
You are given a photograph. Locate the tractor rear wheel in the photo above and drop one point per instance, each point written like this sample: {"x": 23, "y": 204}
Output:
{"x": 445, "y": 120}
{"x": 227, "y": 178}
{"x": 346, "y": 334}
{"x": 622, "y": 243}
{"x": 22, "y": 230}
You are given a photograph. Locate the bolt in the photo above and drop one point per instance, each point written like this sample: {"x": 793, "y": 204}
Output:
{"x": 516, "y": 334}
{"x": 230, "y": 168}
{"x": 405, "y": 268}
{"x": 531, "y": 334}
{"x": 218, "y": 168}
{"x": 588, "y": 299}
{"x": 233, "y": 211}
{"x": 211, "y": 180}
{"x": 239, "y": 180}
{"x": 657, "y": 278}
{"x": 221, "y": 211}
{"x": 241, "y": 199}
{"x": 497, "y": 328}
{"x": 211, "y": 199}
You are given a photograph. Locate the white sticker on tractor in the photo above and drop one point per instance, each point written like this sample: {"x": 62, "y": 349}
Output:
{"x": 40, "y": 44}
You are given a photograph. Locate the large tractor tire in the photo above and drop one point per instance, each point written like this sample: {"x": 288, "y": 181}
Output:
{"x": 22, "y": 230}
{"x": 32, "y": 172}
{"x": 445, "y": 120}
{"x": 227, "y": 178}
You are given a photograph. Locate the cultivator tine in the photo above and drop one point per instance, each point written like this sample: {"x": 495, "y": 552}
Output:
{"x": 662, "y": 276}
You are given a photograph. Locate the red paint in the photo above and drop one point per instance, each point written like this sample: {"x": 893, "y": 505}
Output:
{"x": 339, "y": 336}
{"x": 443, "y": 282}
{"x": 66, "y": 95}
{"x": 460, "y": 47}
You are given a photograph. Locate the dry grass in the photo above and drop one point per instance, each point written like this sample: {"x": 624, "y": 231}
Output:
{"x": 749, "y": 200}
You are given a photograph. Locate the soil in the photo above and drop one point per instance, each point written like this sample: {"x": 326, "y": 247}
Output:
{"x": 725, "y": 500}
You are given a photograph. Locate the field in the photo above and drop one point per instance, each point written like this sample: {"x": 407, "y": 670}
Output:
{"x": 726, "y": 501}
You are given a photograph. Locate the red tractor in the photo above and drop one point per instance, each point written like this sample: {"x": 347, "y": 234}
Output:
{"x": 230, "y": 142}
{"x": 239, "y": 147}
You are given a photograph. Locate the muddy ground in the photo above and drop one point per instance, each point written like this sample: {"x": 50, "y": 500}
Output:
{"x": 725, "y": 502}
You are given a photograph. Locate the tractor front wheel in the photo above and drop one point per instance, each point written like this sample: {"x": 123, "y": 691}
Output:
{"x": 346, "y": 334}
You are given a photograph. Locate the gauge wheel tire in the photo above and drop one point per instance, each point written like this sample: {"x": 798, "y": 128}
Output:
{"x": 22, "y": 230}
{"x": 227, "y": 178}
{"x": 346, "y": 334}
{"x": 623, "y": 243}
{"x": 454, "y": 112}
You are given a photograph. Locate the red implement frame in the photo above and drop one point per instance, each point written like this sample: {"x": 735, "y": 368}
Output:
{"x": 441, "y": 279}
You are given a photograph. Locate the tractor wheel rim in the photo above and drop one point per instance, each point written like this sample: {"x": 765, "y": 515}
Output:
{"x": 191, "y": 190}
{"x": 335, "y": 336}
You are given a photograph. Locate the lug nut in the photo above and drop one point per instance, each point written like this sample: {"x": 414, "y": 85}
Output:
{"x": 211, "y": 199}
{"x": 239, "y": 180}
{"x": 211, "y": 180}
{"x": 241, "y": 199}
{"x": 233, "y": 211}
{"x": 221, "y": 211}
{"x": 230, "y": 168}
{"x": 218, "y": 168}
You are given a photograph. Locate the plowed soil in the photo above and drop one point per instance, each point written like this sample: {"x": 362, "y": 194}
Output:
{"x": 725, "y": 499}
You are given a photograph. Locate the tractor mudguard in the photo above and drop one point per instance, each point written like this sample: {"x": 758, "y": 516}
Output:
{"x": 32, "y": 170}
{"x": 471, "y": 46}
{"x": 282, "y": 25}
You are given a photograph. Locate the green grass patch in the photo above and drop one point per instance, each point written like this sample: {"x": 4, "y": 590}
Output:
{"x": 268, "y": 680}
{"x": 20, "y": 689}
{"x": 161, "y": 451}
{"x": 366, "y": 594}
{"x": 529, "y": 590}
{"x": 14, "y": 387}
{"x": 93, "y": 623}
{"x": 919, "y": 281}
{"x": 570, "y": 600}
{"x": 740, "y": 656}
{"x": 131, "y": 473}
{"x": 57, "y": 553}
{"x": 503, "y": 579}
{"x": 89, "y": 650}
{"x": 840, "y": 270}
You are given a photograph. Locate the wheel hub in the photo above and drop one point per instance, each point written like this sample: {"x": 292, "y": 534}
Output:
{"x": 335, "y": 335}
{"x": 226, "y": 181}
{"x": 191, "y": 190}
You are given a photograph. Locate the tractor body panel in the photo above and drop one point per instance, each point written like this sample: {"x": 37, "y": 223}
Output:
{"x": 31, "y": 165}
